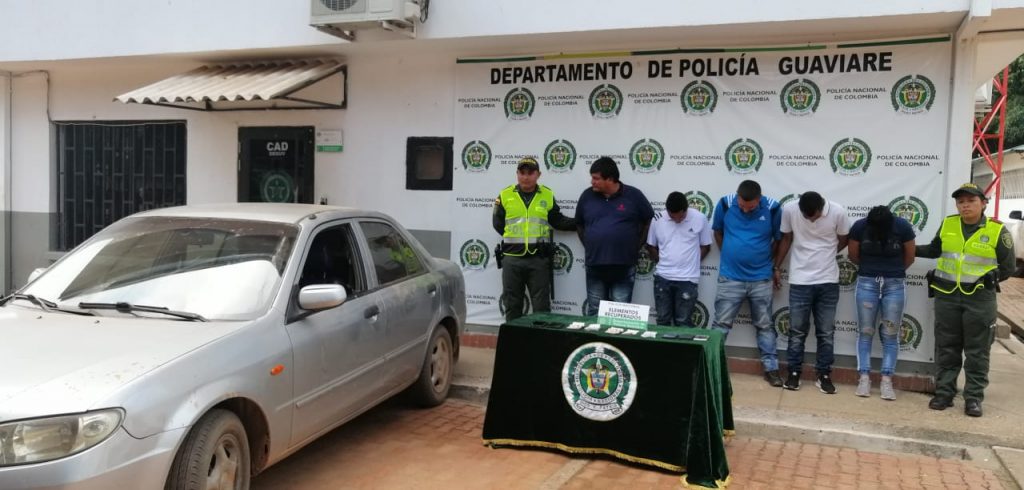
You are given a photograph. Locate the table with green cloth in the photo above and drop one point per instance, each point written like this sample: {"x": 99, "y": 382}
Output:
{"x": 663, "y": 401}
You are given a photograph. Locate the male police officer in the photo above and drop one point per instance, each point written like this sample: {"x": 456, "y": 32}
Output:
{"x": 975, "y": 253}
{"x": 524, "y": 215}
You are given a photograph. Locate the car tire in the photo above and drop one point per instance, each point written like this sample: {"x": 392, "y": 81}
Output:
{"x": 214, "y": 455}
{"x": 431, "y": 389}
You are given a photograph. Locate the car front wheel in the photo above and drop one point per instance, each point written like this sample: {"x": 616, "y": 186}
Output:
{"x": 215, "y": 455}
{"x": 431, "y": 389}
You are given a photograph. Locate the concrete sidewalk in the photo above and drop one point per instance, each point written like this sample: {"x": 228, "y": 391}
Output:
{"x": 905, "y": 425}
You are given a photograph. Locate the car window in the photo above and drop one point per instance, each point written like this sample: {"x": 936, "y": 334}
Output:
{"x": 393, "y": 257}
{"x": 333, "y": 258}
{"x": 222, "y": 269}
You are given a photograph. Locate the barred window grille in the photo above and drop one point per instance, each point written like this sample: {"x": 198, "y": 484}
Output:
{"x": 107, "y": 170}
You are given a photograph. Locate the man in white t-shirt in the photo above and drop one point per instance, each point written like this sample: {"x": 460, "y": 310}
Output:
{"x": 678, "y": 240}
{"x": 816, "y": 230}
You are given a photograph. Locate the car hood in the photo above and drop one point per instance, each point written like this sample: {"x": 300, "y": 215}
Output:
{"x": 55, "y": 363}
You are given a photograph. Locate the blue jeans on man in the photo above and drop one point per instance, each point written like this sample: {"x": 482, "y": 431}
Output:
{"x": 880, "y": 302}
{"x": 614, "y": 283}
{"x": 819, "y": 300}
{"x": 729, "y": 298}
{"x": 674, "y": 301}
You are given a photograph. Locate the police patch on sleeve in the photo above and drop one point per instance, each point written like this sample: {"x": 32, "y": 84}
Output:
{"x": 599, "y": 382}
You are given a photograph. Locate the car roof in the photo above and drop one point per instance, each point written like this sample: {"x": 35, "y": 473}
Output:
{"x": 274, "y": 212}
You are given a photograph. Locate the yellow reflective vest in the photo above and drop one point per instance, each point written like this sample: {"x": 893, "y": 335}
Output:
{"x": 964, "y": 262}
{"x": 526, "y": 225}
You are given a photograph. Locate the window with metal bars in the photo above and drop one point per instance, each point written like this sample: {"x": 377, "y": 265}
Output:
{"x": 107, "y": 170}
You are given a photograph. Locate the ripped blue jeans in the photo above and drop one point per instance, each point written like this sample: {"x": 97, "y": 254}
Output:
{"x": 674, "y": 301}
{"x": 880, "y": 302}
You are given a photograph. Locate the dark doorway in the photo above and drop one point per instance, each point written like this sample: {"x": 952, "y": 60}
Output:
{"x": 275, "y": 164}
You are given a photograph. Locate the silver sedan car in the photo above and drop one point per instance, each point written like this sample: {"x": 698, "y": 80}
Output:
{"x": 193, "y": 347}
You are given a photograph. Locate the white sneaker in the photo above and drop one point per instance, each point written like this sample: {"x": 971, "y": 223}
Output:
{"x": 886, "y": 388}
{"x": 864, "y": 386}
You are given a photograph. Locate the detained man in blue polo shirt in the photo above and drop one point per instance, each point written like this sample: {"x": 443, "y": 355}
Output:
{"x": 679, "y": 239}
{"x": 612, "y": 220}
{"x": 747, "y": 230}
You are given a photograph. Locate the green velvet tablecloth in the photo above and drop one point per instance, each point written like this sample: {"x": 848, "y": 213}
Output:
{"x": 665, "y": 402}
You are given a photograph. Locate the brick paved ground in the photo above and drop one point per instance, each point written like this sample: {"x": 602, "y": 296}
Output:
{"x": 1011, "y": 301}
{"x": 398, "y": 447}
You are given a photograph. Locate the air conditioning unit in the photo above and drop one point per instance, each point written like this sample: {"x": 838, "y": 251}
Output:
{"x": 352, "y": 15}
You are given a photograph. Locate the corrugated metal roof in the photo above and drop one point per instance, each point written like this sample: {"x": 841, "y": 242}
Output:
{"x": 236, "y": 81}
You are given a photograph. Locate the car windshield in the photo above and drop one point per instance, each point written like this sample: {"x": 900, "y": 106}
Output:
{"x": 221, "y": 269}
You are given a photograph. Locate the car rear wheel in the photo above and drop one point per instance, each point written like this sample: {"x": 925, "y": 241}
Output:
{"x": 431, "y": 389}
{"x": 215, "y": 455}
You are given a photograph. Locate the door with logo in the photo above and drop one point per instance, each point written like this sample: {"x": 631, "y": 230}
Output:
{"x": 275, "y": 164}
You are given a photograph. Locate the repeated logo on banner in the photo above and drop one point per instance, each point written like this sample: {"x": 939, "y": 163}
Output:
{"x": 857, "y": 124}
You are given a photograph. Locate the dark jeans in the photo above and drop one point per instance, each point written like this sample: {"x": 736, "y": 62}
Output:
{"x": 674, "y": 301}
{"x": 518, "y": 274}
{"x": 612, "y": 283}
{"x": 819, "y": 300}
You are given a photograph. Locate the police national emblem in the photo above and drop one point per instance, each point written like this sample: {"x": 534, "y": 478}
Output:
{"x": 744, "y": 156}
{"x": 476, "y": 156}
{"x": 800, "y": 97}
{"x": 912, "y": 209}
{"x": 474, "y": 255}
{"x": 701, "y": 202}
{"x": 847, "y": 273}
{"x": 560, "y": 156}
{"x": 598, "y": 381}
{"x": 646, "y": 156}
{"x": 519, "y": 104}
{"x": 563, "y": 259}
{"x": 912, "y": 94}
{"x": 700, "y": 316}
{"x": 910, "y": 333}
{"x": 781, "y": 321}
{"x": 644, "y": 264}
{"x": 605, "y": 101}
{"x": 698, "y": 98}
{"x": 850, "y": 156}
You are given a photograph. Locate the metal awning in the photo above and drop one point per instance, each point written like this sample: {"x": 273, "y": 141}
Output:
{"x": 241, "y": 83}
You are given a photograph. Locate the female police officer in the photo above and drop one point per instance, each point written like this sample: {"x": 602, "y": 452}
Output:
{"x": 974, "y": 253}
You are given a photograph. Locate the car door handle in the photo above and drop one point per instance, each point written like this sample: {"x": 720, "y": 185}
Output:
{"x": 371, "y": 312}
{"x": 432, "y": 290}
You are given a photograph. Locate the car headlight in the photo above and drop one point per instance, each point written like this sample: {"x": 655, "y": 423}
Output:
{"x": 49, "y": 438}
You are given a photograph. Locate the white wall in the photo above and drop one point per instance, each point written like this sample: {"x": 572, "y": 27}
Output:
{"x": 392, "y": 95}
{"x": 61, "y": 29}
{"x": 390, "y": 99}
{"x": 30, "y": 167}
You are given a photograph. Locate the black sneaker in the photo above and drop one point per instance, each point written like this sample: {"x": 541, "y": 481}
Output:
{"x": 773, "y": 378}
{"x": 824, "y": 383}
{"x": 793, "y": 381}
{"x": 940, "y": 402}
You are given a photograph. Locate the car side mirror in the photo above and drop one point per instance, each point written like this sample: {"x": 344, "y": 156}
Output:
{"x": 321, "y": 296}
{"x": 39, "y": 271}
{"x": 1016, "y": 215}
